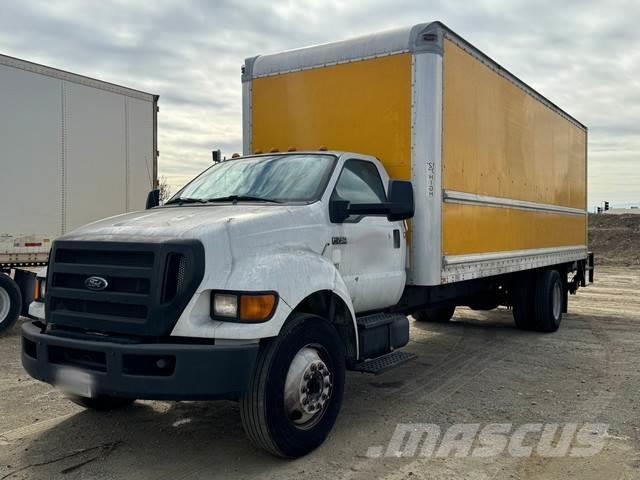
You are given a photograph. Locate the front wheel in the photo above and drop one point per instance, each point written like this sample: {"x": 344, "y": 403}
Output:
{"x": 296, "y": 391}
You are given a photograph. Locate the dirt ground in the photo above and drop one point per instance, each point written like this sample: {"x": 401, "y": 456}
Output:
{"x": 476, "y": 369}
{"x": 615, "y": 239}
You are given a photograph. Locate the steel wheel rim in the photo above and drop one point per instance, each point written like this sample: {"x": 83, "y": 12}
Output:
{"x": 308, "y": 387}
{"x": 557, "y": 300}
{"x": 5, "y": 304}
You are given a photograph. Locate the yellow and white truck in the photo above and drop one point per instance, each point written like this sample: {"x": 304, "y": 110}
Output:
{"x": 271, "y": 274}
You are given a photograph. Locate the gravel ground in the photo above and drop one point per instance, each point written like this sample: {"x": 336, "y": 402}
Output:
{"x": 476, "y": 369}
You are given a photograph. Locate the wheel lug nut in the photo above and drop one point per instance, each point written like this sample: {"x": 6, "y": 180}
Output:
{"x": 313, "y": 367}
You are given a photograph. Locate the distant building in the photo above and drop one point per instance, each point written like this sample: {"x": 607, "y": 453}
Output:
{"x": 623, "y": 211}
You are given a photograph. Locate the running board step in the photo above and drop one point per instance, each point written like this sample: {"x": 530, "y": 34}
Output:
{"x": 384, "y": 363}
{"x": 382, "y": 333}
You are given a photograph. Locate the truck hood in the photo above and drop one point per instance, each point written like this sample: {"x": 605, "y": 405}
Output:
{"x": 245, "y": 225}
{"x": 177, "y": 222}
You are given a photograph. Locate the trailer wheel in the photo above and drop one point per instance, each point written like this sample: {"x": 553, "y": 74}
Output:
{"x": 523, "y": 303}
{"x": 296, "y": 391}
{"x": 549, "y": 299}
{"x": 436, "y": 315}
{"x": 101, "y": 403}
{"x": 10, "y": 302}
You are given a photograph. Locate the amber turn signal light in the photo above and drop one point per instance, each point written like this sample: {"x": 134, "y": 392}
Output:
{"x": 257, "y": 308}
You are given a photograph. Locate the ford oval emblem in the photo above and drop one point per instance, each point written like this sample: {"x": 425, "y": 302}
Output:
{"x": 96, "y": 283}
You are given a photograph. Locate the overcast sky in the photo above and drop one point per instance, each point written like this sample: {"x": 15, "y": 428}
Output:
{"x": 583, "y": 55}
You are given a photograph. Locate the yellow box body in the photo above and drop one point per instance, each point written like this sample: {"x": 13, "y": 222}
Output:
{"x": 520, "y": 158}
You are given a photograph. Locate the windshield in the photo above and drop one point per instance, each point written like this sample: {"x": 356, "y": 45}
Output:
{"x": 276, "y": 178}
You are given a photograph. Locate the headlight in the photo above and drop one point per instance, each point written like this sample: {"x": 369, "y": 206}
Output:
{"x": 243, "y": 307}
{"x": 225, "y": 305}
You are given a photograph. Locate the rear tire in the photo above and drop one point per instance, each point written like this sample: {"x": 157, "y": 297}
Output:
{"x": 549, "y": 299}
{"x": 435, "y": 315}
{"x": 306, "y": 361}
{"x": 523, "y": 303}
{"x": 101, "y": 403}
{"x": 10, "y": 302}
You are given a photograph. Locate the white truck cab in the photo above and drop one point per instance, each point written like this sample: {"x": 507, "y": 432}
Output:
{"x": 255, "y": 270}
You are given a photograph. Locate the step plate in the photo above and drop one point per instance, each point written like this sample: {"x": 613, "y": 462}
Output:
{"x": 377, "y": 319}
{"x": 384, "y": 363}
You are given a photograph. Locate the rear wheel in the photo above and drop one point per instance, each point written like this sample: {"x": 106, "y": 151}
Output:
{"x": 437, "y": 314}
{"x": 10, "y": 302}
{"x": 101, "y": 403}
{"x": 549, "y": 299}
{"x": 296, "y": 392}
{"x": 523, "y": 303}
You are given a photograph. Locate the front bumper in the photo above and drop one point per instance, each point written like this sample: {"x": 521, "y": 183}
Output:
{"x": 186, "y": 371}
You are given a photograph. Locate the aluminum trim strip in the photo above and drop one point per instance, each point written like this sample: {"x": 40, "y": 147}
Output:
{"x": 426, "y": 168}
{"x": 487, "y": 265}
{"x": 493, "y": 256}
{"x": 451, "y": 196}
{"x": 74, "y": 77}
{"x": 374, "y": 45}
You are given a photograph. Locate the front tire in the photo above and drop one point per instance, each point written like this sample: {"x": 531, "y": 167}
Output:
{"x": 435, "y": 315}
{"x": 102, "y": 403}
{"x": 10, "y": 302}
{"x": 296, "y": 391}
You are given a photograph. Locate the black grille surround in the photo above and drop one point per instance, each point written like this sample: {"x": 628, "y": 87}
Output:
{"x": 148, "y": 285}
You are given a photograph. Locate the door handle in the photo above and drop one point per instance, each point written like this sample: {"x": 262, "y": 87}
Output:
{"x": 396, "y": 238}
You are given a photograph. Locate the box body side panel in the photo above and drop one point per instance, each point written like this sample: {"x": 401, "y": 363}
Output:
{"x": 523, "y": 163}
{"x": 363, "y": 106}
{"x": 497, "y": 229}
{"x": 31, "y": 139}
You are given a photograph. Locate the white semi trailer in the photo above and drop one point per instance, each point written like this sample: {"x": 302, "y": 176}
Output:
{"x": 72, "y": 150}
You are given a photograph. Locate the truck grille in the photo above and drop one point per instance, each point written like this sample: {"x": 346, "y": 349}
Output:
{"x": 136, "y": 288}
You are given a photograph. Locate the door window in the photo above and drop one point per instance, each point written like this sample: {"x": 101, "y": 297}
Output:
{"x": 359, "y": 182}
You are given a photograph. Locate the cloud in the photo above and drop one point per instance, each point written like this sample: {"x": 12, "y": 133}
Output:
{"x": 581, "y": 54}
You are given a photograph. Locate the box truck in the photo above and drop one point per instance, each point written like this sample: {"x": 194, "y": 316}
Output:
{"x": 73, "y": 150}
{"x": 400, "y": 173}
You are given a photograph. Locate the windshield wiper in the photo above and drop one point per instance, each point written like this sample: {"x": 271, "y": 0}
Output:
{"x": 182, "y": 200}
{"x": 236, "y": 198}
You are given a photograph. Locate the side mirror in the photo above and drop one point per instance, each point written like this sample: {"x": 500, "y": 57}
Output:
{"x": 399, "y": 207}
{"x": 153, "y": 199}
{"x": 401, "y": 200}
{"x": 338, "y": 211}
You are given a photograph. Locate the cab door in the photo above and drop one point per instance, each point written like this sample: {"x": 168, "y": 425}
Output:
{"x": 368, "y": 251}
